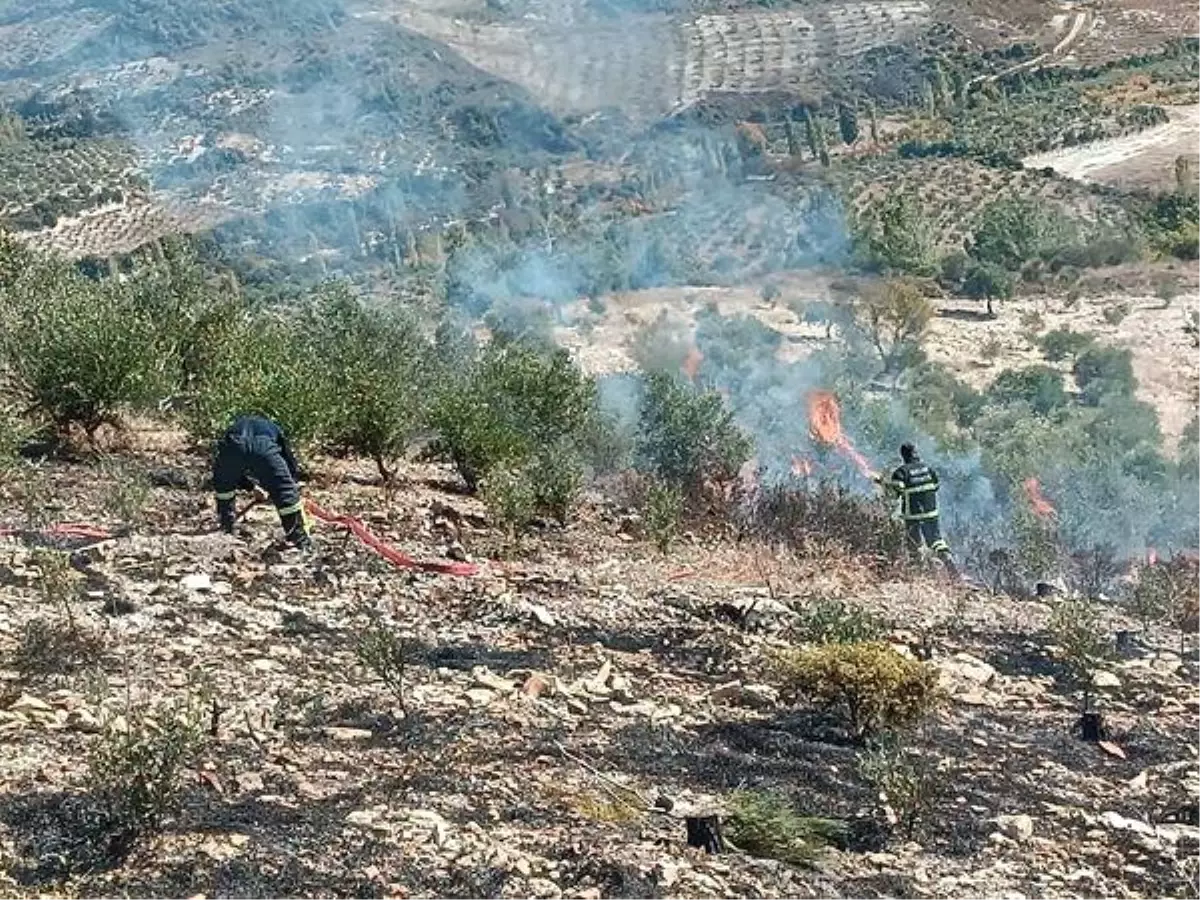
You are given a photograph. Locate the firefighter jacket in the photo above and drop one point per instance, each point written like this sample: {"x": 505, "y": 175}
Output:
{"x": 916, "y": 485}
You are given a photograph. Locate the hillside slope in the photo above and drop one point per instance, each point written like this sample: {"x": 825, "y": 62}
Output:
{"x": 548, "y": 701}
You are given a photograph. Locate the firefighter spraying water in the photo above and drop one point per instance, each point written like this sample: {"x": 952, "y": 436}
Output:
{"x": 914, "y": 483}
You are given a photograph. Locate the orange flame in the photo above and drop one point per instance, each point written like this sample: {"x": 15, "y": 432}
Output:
{"x": 691, "y": 363}
{"x": 1041, "y": 506}
{"x": 825, "y": 424}
{"x": 802, "y": 467}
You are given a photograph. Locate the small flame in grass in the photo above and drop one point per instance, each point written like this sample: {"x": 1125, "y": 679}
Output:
{"x": 802, "y": 467}
{"x": 1042, "y": 507}
{"x": 825, "y": 424}
{"x": 1151, "y": 556}
{"x": 691, "y": 363}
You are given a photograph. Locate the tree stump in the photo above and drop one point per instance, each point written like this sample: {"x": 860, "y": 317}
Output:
{"x": 705, "y": 832}
{"x": 1091, "y": 726}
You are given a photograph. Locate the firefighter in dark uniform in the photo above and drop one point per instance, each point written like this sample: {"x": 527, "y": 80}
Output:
{"x": 254, "y": 453}
{"x": 916, "y": 484}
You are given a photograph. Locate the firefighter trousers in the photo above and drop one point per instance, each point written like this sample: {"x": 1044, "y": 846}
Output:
{"x": 929, "y": 532}
{"x": 259, "y": 462}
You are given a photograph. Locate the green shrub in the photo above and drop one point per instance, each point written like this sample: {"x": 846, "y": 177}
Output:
{"x": 510, "y": 498}
{"x": 895, "y": 316}
{"x": 79, "y": 352}
{"x": 1082, "y": 640}
{"x": 898, "y": 237}
{"x": 662, "y": 346}
{"x": 1115, "y": 313}
{"x": 1039, "y": 386}
{"x": 55, "y": 647}
{"x": 381, "y": 651}
{"x": 686, "y": 436}
{"x": 661, "y": 512}
{"x": 513, "y": 404}
{"x": 871, "y": 685}
{"x": 135, "y": 771}
{"x": 557, "y": 478}
{"x": 905, "y": 780}
{"x": 941, "y": 402}
{"x": 266, "y": 366}
{"x": 1013, "y": 232}
{"x": 1166, "y": 290}
{"x": 376, "y": 372}
{"x": 127, "y": 493}
{"x": 1102, "y": 371}
{"x": 1063, "y": 343}
{"x": 732, "y": 346}
{"x": 988, "y": 282}
{"x": 765, "y": 824}
{"x": 14, "y": 431}
{"x": 1189, "y": 450}
{"x": 1164, "y": 592}
{"x": 834, "y": 622}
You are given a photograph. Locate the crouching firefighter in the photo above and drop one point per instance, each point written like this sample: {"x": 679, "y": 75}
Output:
{"x": 254, "y": 453}
{"x": 916, "y": 484}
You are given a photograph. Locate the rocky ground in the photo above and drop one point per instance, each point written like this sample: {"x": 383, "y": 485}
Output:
{"x": 563, "y": 710}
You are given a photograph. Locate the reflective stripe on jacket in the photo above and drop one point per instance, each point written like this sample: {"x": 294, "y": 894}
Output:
{"x": 916, "y": 485}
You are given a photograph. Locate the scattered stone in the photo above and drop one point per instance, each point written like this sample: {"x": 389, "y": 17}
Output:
{"x": 198, "y": 582}
{"x": 755, "y": 695}
{"x": 488, "y": 679}
{"x": 1017, "y": 828}
{"x": 249, "y": 782}
{"x": 535, "y": 685}
{"x": 1118, "y": 822}
{"x": 27, "y": 703}
{"x": 621, "y": 688}
{"x": 598, "y": 686}
{"x": 965, "y": 667}
{"x": 542, "y": 615}
{"x": 544, "y": 889}
{"x": 368, "y": 818}
{"x": 347, "y": 735}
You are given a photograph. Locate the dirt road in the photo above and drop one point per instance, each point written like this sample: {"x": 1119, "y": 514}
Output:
{"x": 1144, "y": 160}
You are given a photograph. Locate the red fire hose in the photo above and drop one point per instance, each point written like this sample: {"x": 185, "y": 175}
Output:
{"x": 64, "y": 530}
{"x": 391, "y": 554}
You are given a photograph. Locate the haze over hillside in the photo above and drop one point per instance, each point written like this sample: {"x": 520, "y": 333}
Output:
{"x": 598, "y": 326}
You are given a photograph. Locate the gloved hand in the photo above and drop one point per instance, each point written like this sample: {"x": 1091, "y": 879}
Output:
{"x": 260, "y": 495}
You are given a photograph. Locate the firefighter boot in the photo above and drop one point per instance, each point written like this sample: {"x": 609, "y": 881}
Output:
{"x": 295, "y": 529}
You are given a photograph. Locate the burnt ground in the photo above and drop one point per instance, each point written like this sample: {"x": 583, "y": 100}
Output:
{"x": 572, "y": 671}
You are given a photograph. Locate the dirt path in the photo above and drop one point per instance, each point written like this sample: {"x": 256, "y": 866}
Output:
{"x": 1145, "y": 159}
{"x": 1081, "y": 19}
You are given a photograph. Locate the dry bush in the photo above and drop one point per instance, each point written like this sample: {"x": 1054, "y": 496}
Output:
{"x": 51, "y": 647}
{"x": 871, "y": 685}
{"x": 828, "y": 512}
{"x": 895, "y": 316}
